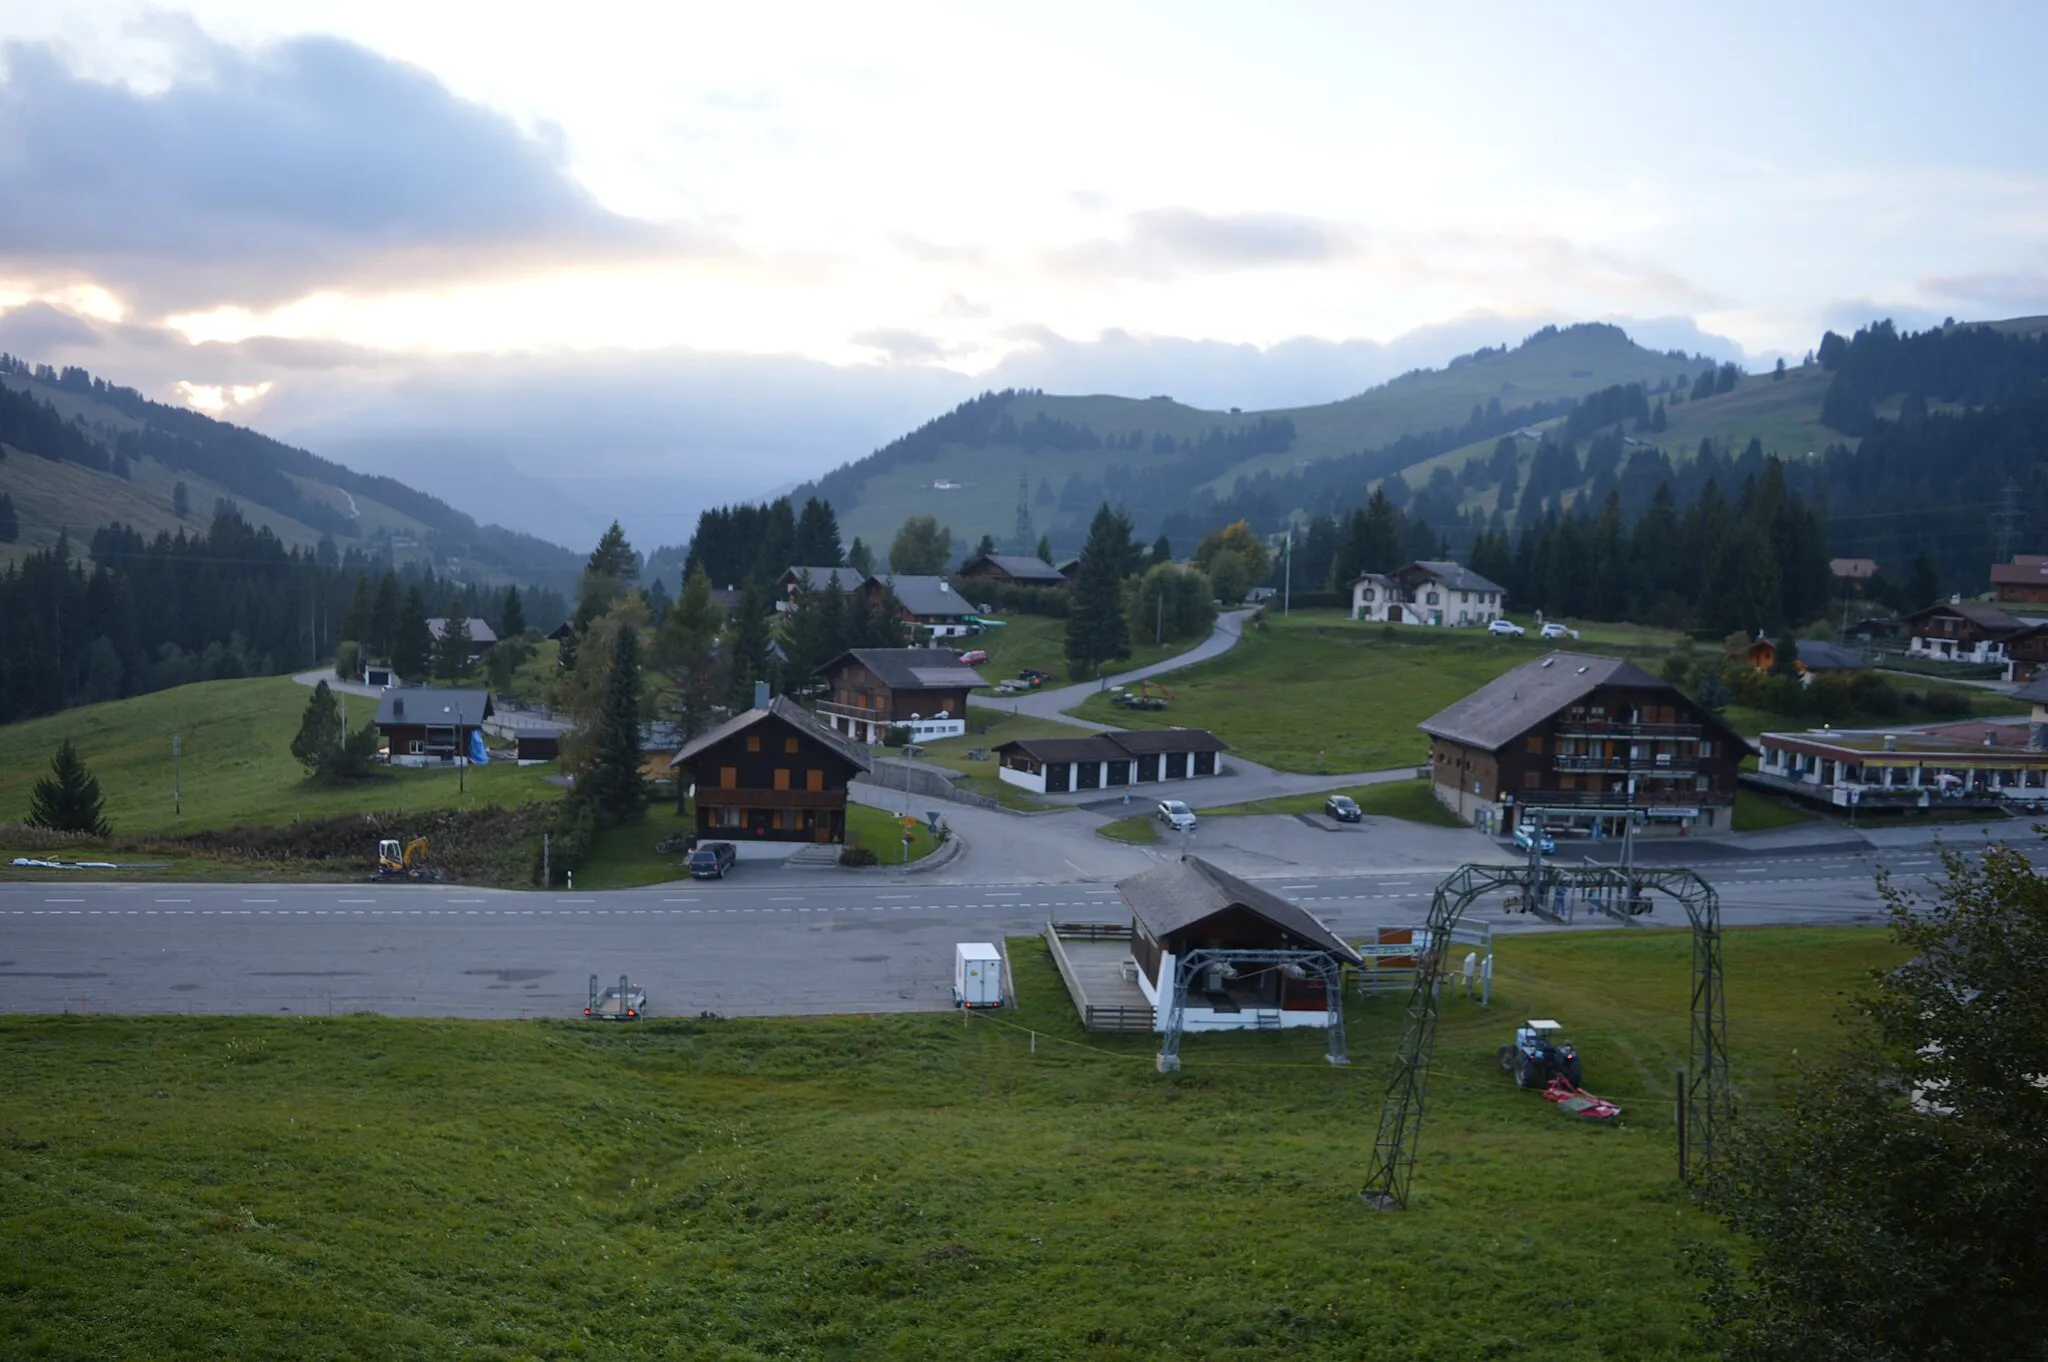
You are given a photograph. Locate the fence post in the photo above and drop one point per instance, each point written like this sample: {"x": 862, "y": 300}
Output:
{"x": 1679, "y": 1075}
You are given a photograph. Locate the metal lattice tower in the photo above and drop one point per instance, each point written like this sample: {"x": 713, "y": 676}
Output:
{"x": 2007, "y": 520}
{"x": 1024, "y": 513}
{"x": 1624, "y": 893}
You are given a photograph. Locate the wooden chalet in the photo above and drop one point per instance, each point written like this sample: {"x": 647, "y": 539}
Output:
{"x": 1013, "y": 569}
{"x": 869, "y": 690}
{"x": 423, "y": 727}
{"x": 929, "y": 605}
{"x": 1185, "y": 905}
{"x": 1589, "y": 740}
{"x": 1959, "y": 631}
{"x": 772, "y": 774}
{"x": 1812, "y": 657}
{"x": 481, "y": 636}
{"x": 1428, "y": 592}
{"x": 2022, "y": 581}
{"x": 795, "y": 580}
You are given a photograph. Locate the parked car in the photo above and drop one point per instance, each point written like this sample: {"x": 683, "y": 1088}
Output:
{"x": 1343, "y": 808}
{"x": 1524, "y": 836}
{"x": 711, "y": 860}
{"x": 974, "y": 657}
{"x": 1176, "y": 815}
{"x": 1506, "y": 629}
{"x": 1033, "y": 677}
{"x": 1556, "y": 630}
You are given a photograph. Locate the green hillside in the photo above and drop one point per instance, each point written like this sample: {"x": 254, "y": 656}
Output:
{"x": 134, "y": 453}
{"x": 972, "y": 485}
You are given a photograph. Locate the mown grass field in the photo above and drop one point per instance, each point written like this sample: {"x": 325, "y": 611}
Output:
{"x": 1756, "y": 812}
{"x": 917, "y": 1185}
{"x": 237, "y": 769}
{"x": 1040, "y": 641}
{"x": 988, "y": 726}
{"x": 1407, "y": 799}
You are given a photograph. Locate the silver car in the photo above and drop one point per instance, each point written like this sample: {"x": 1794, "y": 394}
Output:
{"x": 1176, "y": 815}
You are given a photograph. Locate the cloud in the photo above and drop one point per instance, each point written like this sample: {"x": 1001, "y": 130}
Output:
{"x": 255, "y": 176}
{"x": 904, "y": 345}
{"x": 37, "y": 329}
{"x": 2003, "y": 294}
{"x": 1162, "y": 243}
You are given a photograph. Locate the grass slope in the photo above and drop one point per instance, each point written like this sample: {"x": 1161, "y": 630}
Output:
{"x": 237, "y": 769}
{"x": 1040, "y": 641}
{"x": 1315, "y": 692}
{"x": 989, "y": 726}
{"x": 915, "y": 1185}
{"x": 1405, "y": 799}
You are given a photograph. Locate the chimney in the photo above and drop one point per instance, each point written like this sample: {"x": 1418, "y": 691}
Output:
{"x": 1891, "y": 742}
{"x": 760, "y": 695}
{"x": 943, "y": 587}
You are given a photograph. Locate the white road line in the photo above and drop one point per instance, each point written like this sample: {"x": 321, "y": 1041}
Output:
{"x": 688, "y": 900}
{"x": 259, "y": 900}
{"x": 174, "y": 900}
{"x": 787, "y": 898}
{"x": 1290, "y": 888}
{"x": 879, "y": 896}
{"x": 63, "y": 900}
{"x": 355, "y": 900}
{"x": 465, "y": 900}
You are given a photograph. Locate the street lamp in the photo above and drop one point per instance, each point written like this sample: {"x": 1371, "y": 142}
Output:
{"x": 908, "y": 749}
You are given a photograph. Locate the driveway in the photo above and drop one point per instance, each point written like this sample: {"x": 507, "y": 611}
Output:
{"x": 1050, "y": 704}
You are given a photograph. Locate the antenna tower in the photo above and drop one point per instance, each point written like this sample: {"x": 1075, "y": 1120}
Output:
{"x": 2007, "y": 520}
{"x": 1023, "y": 512}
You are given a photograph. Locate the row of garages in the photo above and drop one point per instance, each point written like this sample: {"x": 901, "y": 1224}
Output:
{"x": 1109, "y": 761}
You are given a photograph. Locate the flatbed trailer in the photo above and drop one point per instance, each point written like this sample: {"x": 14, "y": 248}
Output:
{"x": 627, "y": 1002}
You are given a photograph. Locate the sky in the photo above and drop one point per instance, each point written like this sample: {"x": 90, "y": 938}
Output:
{"x": 568, "y": 263}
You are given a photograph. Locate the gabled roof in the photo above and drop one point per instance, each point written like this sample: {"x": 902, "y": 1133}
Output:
{"x": 821, "y": 577}
{"x": 1175, "y": 895}
{"x": 911, "y": 668}
{"x": 1377, "y": 578}
{"x": 1017, "y": 566}
{"x": 2025, "y": 569}
{"x": 788, "y": 712}
{"x": 2035, "y": 692}
{"x": 1140, "y": 741}
{"x": 1819, "y": 656}
{"x": 479, "y": 632}
{"x": 1511, "y": 704}
{"x": 1980, "y": 613}
{"x": 423, "y": 705}
{"x": 1455, "y": 576}
{"x": 927, "y": 595}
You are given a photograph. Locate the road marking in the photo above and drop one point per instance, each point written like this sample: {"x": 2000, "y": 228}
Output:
{"x": 575, "y": 900}
{"x": 1754, "y": 870}
{"x": 787, "y": 898}
{"x": 259, "y": 900}
{"x": 465, "y": 900}
{"x": 174, "y": 900}
{"x": 63, "y": 900}
{"x": 879, "y": 896}
{"x": 687, "y": 900}
{"x": 1290, "y": 888}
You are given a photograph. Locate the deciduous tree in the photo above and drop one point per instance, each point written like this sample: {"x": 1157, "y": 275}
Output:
{"x": 921, "y": 548}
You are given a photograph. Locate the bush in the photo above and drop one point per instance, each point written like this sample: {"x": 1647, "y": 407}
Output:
{"x": 1946, "y": 704}
{"x": 896, "y": 735}
{"x": 854, "y": 854}
{"x": 348, "y": 661}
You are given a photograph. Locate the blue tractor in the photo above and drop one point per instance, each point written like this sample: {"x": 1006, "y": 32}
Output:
{"x": 1539, "y": 1054}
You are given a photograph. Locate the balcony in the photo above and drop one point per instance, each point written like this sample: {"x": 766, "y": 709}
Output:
{"x": 1620, "y": 728}
{"x": 1618, "y": 800}
{"x": 1670, "y": 764}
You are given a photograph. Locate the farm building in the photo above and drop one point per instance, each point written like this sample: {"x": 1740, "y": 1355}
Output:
{"x": 1428, "y": 593}
{"x": 1109, "y": 761}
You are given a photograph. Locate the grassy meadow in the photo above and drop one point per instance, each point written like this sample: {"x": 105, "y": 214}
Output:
{"x": 237, "y": 768}
{"x": 988, "y": 726}
{"x": 912, "y": 1185}
{"x": 1407, "y": 799}
{"x": 1041, "y": 641}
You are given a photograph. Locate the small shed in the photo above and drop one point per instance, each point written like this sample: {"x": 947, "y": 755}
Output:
{"x": 422, "y": 726}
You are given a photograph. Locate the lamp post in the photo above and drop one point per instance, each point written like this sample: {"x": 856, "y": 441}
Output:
{"x": 908, "y": 749}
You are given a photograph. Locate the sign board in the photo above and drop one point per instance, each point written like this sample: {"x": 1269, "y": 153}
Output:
{"x": 1674, "y": 812}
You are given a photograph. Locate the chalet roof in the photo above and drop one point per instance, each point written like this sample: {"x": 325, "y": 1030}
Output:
{"x": 1454, "y": 576}
{"x": 479, "y": 632}
{"x": 911, "y": 668}
{"x": 1511, "y": 704}
{"x": 933, "y": 596}
{"x": 2025, "y": 569}
{"x": 1858, "y": 569}
{"x": 1817, "y": 655}
{"x": 1070, "y": 567}
{"x": 424, "y": 705}
{"x": 1140, "y": 741}
{"x": 1979, "y": 613}
{"x": 1017, "y": 566}
{"x": 1376, "y": 578}
{"x": 2035, "y": 692}
{"x": 1175, "y": 895}
{"x": 790, "y": 713}
{"x": 821, "y": 577}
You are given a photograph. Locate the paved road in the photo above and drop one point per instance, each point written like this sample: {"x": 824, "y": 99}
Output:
{"x": 771, "y": 944}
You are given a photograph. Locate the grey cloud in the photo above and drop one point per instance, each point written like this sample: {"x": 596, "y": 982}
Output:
{"x": 2006, "y": 294}
{"x": 903, "y": 345}
{"x": 37, "y": 329}
{"x": 1161, "y": 243}
{"x": 1852, "y": 314}
{"x": 255, "y": 175}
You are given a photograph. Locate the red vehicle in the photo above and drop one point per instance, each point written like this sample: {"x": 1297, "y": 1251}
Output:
{"x": 974, "y": 656}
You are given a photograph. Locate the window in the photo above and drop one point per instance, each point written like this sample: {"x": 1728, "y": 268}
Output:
{"x": 1700, "y": 784}
{"x": 727, "y": 816}
{"x": 1534, "y": 743}
{"x": 1706, "y": 747}
{"x": 782, "y": 777}
{"x": 1532, "y": 780}
{"x": 1368, "y": 593}
{"x": 814, "y": 780}
{"x": 1567, "y": 782}
{"x": 753, "y": 742}
{"x": 728, "y": 778}
{"x": 1432, "y": 598}
{"x": 416, "y": 747}
{"x": 789, "y": 744}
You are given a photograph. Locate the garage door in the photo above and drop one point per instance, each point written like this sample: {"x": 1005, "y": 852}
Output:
{"x": 1205, "y": 763}
{"x": 1176, "y": 765}
{"x": 1148, "y": 768}
{"x": 1056, "y": 777}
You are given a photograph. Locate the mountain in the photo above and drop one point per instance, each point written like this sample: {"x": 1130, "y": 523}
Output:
{"x": 78, "y": 453}
{"x": 1177, "y": 467}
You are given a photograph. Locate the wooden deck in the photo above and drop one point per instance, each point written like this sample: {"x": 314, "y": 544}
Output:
{"x": 1091, "y": 959}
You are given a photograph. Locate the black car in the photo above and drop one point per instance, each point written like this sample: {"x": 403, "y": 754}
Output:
{"x": 711, "y": 860}
{"x": 1343, "y": 808}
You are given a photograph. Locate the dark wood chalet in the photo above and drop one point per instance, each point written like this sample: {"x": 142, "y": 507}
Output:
{"x": 1959, "y": 631}
{"x": 2023, "y": 581}
{"x": 421, "y": 725}
{"x": 1587, "y": 740}
{"x": 2026, "y": 653}
{"x": 773, "y": 774}
{"x": 923, "y": 689}
{"x": 1015, "y": 569}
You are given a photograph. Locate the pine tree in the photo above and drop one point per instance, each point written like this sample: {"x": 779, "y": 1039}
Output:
{"x": 611, "y": 570}
{"x": 861, "y": 558}
{"x": 1096, "y": 631}
{"x": 10, "y": 525}
{"x": 817, "y": 536}
{"x": 747, "y": 644}
{"x": 1924, "y": 586}
{"x": 411, "y": 645}
{"x": 181, "y": 501}
{"x": 452, "y": 649}
{"x": 317, "y": 745}
{"x": 986, "y": 546}
{"x": 1045, "y": 550}
{"x": 68, "y": 799}
{"x": 384, "y": 616}
{"x": 355, "y": 617}
{"x": 512, "y": 617}
{"x": 1162, "y": 551}
{"x": 611, "y": 784}
{"x": 686, "y": 649}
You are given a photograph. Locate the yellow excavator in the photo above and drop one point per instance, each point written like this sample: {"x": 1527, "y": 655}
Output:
{"x": 410, "y": 862}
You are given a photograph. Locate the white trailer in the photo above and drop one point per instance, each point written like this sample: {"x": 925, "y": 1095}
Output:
{"x": 977, "y": 975}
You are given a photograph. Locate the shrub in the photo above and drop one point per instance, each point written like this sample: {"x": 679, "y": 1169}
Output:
{"x": 1946, "y": 704}
{"x": 348, "y": 661}
{"x": 854, "y": 854}
{"x": 896, "y": 735}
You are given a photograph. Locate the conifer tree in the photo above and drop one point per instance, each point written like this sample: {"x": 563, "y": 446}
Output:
{"x": 411, "y": 645}
{"x": 611, "y": 784}
{"x": 747, "y": 643}
{"x": 451, "y": 650}
{"x": 512, "y": 617}
{"x": 10, "y": 524}
{"x": 68, "y": 799}
{"x": 1096, "y": 631}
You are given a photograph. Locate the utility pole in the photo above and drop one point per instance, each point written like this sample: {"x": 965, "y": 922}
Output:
{"x": 1287, "y": 577}
{"x": 177, "y": 762}
{"x": 1159, "y": 629}
{"x": 2006, "y": 520}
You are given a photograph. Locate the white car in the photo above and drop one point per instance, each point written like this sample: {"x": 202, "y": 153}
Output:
{"x": 1556, "y": 630}
{"x": 1506, "y": 629}
{"x": 1176, "y": 815}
